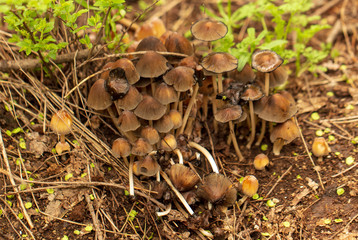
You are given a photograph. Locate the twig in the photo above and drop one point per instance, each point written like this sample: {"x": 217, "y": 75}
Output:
{"x": 273, "y": 187}
{"x": 340, "y": 230}
{"x": 344, "y": 171}
{"x": 99, "y": 233}
{"x": 308, "y": 152}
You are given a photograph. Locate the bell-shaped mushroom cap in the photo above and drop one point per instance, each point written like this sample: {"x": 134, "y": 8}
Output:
{"x": 131, "y": 100}
{"x": 288, "y": 131}
{"x": 164, "y": 125}
{"x": 150, "y": 134}
{"x": 61, "y": 122}
{"x": 229, "y": 113}
{"x": 151, "y": 44}
{"x": 181, "y": 77}
{"x": 216, "y": 188}
{"x": 219, "y": 62}
{"x": 98, "y": 97}
{"x": 142, "y": 83}
{"x": 141, "y": 147}
{"x": 207, "y": 86}
{"x": 131, "y": 73}
{"x": 151, "y": 65}
{"x": 117, "y": 84}
{"x": 277, "y": 77}
{"x": 261, "y": 161}
{"x": 183, "y": 177}
{"x": 176, "y": 118}
{"x": 191, "y": 61}
{"x": 148, "y": 166}
{"x": 168, "y": 143}
{"x": 165, "y": 94}
{"x": 109, "y": 66}
{"x": 208, "y": 30}
{"x": 121, "y": 148}
{"x": 178, "y": 44}
{"x": 150, "y": 109}
{"x": 128, "y": 121}
{"x": 250, "y": 185}
{"x": 252, "y": 92}
{"x": 153, "y": 27}
{"x": 246, "y": 75}
{"x": 320, "y": 147}
{"x": 276, "y": 108}
{"x": 266, "y": 61}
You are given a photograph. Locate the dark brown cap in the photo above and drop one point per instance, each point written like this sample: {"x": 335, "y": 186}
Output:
{"x": 131, "y": 73}
{"x": 208, "y": 30}
{"x": 98, "y": 97}
{"x": 219, "y": 62}
{"x": 164, "y": 124}
{"x": 276, "y": 108}
{"x": 151, "y": 44}
{"x": 128, "y": 121}
{"x": 277, "y": 77}
{"x": 151, "y": 65}
{"x": 179, "y": 44}
{"x": 183, "y": 177}
{"x": 121, "y": 148}
{"x": 150, "y": 109}
{"x": 131, "y": 100}
{"x": 117, "y": 85}
{"x": 216, "y": 188}
{"x": 266, "y": 61}
{"x": 246, "y": 75}
{"x": 229, "y": 113}
{"x": 181, "y": 77}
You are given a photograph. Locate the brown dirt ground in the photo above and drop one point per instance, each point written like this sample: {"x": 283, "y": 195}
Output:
{"x": 293, "y": 183}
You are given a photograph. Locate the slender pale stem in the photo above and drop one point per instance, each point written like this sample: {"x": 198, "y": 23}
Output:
{"x": 180, "y": 156}
{"x": 188, "y": 110}
{"x": 206, "y": 154}
{"x": 131, "y": 181}
{"x": 253, "y": 125}
{"x": 234, "y": 142}
{"x": 277, "y": 146}
{"x": 213, "y": 100}
{"x": 220, "y": 83}
{"x": 166, "y": 212}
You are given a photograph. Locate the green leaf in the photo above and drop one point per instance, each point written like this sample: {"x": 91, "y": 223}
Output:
{"x": 273, "y": 44}
{"x": 28, "y": 205}
{"x": 132, "y": 214}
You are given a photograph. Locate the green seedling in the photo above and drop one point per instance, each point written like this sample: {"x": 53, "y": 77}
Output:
{"x": 20, "y": 216}
{"x": 264, "y": 147}
{"x": 65, "y": 237}
{"x": 315, "y": 116}
{"x": 340, "y": 191}
{"x": 286, "y": 224}
{"x": 88, "y": 228}
{"x": 77, "y": 232}
{"x": 330, "y": 94}
{"x": 22, "y": 143}
{"x": 350, "y": 160}
{"x": 50, "y": 190}
{"x": 319, "y": 133}
{"x": 68, "y": 176}
{"x": 28, "y": 205}
{"x": 270, "y": 203}
{"x": 132, "y": 214}
{"x": 338, "y": 220}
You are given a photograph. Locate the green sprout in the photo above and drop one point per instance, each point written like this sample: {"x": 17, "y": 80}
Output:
{"x": 350, "y": 160}
{"x": 340, "y": 191}
{"x": 315, "y": 116}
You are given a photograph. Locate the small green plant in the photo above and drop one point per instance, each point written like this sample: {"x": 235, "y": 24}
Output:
{"x": 287, "y": 18}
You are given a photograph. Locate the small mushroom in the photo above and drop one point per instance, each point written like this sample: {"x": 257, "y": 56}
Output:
{"x": 116, "y": 84}
{"x": 131, "y": 100}
{"x": 61, "y": 123}
{"x": 250, "y": 185}
{"x": 121, "y": 148}
{"x": 148, "y": 166}
{"x": 261, "y": 161}
{"x": 150, "y": 134}
{"x": 208, "y": 30}
{"x": 183, "y": 177}
{"x": 179, "y": 44}
{"x": 282, "y": 134}
{"x": 320, "y": 148}
{"x": 141, "y": 147}
{"x": 150, "y": 109}
{"x": 151, "y": 44}
{"x": 168, "y": 143}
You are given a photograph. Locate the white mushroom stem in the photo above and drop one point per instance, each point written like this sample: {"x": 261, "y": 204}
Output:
{"x": 180, "y": 156}
{"x": 267, "y": 84}
{"x": 206, "y": 154}
{"x": 188, "y": 110}
{"x": 131, "y": 181}
{"x": 253, "y": 125}
{"x": 277, "y": 146}
{"x": 166, "y": 212}
{"x": 158, "y": 176}
{"x": 181, "y": 198}
{"x": 234, "y": 142}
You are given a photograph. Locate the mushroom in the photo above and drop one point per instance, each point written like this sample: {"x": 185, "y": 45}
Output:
{"x": 165, "y": 94}
{"x": 320, "y": 148}
{"x": 131, "y": 100}
{"x": 153, "y": 27}
{"x": 129, "y": 69}
{"x": 261, "y": 161}
{"x": 178, "y": 44}
{"x": 127, "y": 121}
{"x": 150, "y": 109}
{"x": 116, "y": 84}
{"x": 283, "y": 134}
{"x": 164, "y": 124}
{"x": 217, "y": 189}
{"x": 208, "y": 30}
{"x": 277, "y": 77}
{"x": 250, "y": 185}
{"x": 151, "y": 44}
{"x": 148, "y": 166}
{"x": 176, "y": 118}
{"x": 229, "y": 114}
{"x": 245, "y": 76}
{"x": 168, "y": 143}
{"x": 150, "y": 134}
{"x": 183, "y": 177}
{"x": 61, "y": 123}
{"x": 141, "y": 147}
{"x": 250, "y": 94}
{"x": 121, "y": 148}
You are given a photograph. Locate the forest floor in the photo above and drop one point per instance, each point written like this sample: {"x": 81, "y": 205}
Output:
{"x": 81, "y": 194}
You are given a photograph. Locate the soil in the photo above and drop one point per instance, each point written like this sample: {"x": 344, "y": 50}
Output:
{"x": 303, "y": 191}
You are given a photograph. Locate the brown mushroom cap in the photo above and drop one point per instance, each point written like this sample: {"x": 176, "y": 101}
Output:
{"x": 179, "y": 44}
{"x": 277, "y": 77}
{"x": 150, "y": 134}
{"x": 320, "y": 147}
{"x": 176, "y": 118}
{"x": 229, "y": 113}
{"x": 164, "y": 124}
{"x": 61, "y": 122}
{"x": 121, "y": 148}
{"x": 208, "y": 30}
{"x": 183, "y": 177}
{"x": 98, "y": 97}
{"x": 252, "y": 93}
{"x": 266, "y": 61}
{"x": 261, "y": 161}
{"x": 117, "y": 85}
{"x": 130, "y": 71}
{"x": 276, "y": 108}
{"x": 288, "y": 131}
{"x": 131, "y": 100}
{"x": 250, "y": 185}
{"x": 216, "y": 188}
{"x": 219, "y": 62}
{"x": 181, "y": 77}
{"x": 151, "y": 44}
{"x": 128, "y": 121}
{"x": 151, "y": 65}
{"x": 141, "y": 147}
{"x": 153, "y": 27}
{"x": 148, "y": 166}
{"x": 246, "y": 75}
{"x": 110, "y": 66}
{"x": 168, "y": 143}
{"x": 150, "y": 109}
{"x": 191, "y": 61}
{"x": 165, "y": 94}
